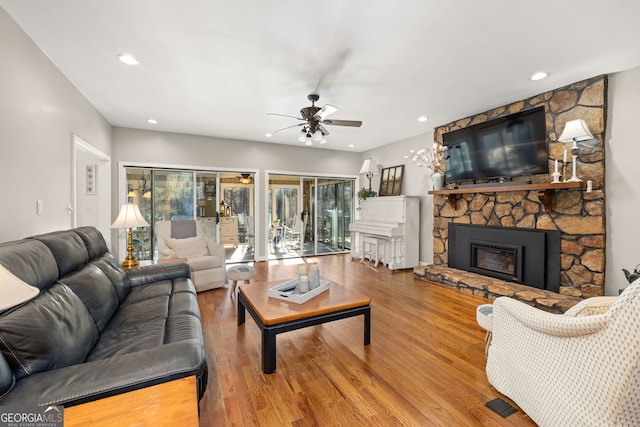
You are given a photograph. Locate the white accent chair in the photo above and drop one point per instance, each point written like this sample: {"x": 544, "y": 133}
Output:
{"x": 206, "y": 258}
{"x": 581, "y": 368}
{"x": 293, "y": 237}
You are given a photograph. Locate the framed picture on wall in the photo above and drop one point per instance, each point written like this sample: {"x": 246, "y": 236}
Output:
{"x": 391, "y": 181}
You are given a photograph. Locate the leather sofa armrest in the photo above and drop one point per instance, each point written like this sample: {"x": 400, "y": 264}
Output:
{"x": 154, "y": 273}
{"x": 95, "y": 380}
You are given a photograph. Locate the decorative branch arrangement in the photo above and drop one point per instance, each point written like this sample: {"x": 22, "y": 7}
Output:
{"x": 425, "y": 157}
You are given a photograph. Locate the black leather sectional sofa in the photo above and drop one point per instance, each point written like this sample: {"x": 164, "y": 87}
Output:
{"x": 94, "y": 330}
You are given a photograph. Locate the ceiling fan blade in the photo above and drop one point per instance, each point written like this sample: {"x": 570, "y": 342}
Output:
{"x": 352, "y": 123}
{"x": 289, "y": 127}
{"x": 324, "y": 130}
{"x": 325, "y": 111}
{"x": 284, "y": 115}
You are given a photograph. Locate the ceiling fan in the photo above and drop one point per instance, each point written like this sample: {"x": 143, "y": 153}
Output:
{"x": 245, "y": 178}
{"x": 313, "y": 118}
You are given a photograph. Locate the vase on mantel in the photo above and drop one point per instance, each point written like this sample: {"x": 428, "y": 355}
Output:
{"x": 438, "y": 180}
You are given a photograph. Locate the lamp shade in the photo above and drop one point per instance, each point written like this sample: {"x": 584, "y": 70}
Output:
{"x": 575, "y": 130}
{"x": 369, "y": 166}
{"x": 129, "y": 217}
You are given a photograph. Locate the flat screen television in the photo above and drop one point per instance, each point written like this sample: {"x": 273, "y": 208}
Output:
{"x": 506, "y": 147}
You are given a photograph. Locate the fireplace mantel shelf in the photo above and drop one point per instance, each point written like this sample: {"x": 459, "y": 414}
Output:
{"x": 545, "y": 191}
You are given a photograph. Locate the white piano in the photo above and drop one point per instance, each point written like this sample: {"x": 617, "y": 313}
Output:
{"x": 394, "y": 223}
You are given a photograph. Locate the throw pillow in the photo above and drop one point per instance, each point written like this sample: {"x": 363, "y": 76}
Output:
{"x": 185, "y": 248}
{"x": 14, "y": 291}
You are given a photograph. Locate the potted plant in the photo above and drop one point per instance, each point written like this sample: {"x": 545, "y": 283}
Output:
{"x": 364, "y": 193}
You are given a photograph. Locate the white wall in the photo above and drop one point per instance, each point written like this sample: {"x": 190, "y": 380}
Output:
{"x": 417, "y": 181}
{"x": 622, "y": 150}
{"x": 39, "y": 111}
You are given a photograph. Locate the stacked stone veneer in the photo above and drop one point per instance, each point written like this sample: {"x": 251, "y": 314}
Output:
{"x": 580, "y": 216}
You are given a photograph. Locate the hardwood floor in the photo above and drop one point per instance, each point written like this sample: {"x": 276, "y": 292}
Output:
{"x": 424, "y": 366}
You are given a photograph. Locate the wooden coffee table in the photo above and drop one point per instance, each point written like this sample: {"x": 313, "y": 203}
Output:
{"x": 274, "y": 316}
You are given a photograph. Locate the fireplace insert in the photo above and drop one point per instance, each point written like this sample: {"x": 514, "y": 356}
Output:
{"x": 520, "y": 255}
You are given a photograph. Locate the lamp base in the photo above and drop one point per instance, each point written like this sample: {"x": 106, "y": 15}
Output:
{"x": 130, "y": 263}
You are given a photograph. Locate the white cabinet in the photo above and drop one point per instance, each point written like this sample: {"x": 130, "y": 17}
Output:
{"x": 229, "y": 230}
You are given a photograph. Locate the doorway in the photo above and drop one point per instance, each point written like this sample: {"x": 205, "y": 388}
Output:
{"x": 308, "y": 216}
{"x": 91, "y": 190}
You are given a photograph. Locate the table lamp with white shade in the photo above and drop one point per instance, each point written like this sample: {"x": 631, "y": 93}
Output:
{"x": 575, "y": 131}
{"x": 370, "y": 168}
{"x": 129, "y": 218}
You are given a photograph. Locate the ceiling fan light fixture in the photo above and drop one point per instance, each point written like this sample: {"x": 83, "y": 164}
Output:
{"x": 318, "y": 136}
{"x": 302, "y": 137}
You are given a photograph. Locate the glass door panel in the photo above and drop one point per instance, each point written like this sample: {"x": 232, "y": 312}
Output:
{"x": 207, "y": 203}
{"x": 310, "y": 222}
{"x": 333, "y": 201}
{"x": 139, "y": 192}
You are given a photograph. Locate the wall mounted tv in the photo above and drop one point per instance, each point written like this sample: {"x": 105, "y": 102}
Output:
{"x": 506, "y": 147}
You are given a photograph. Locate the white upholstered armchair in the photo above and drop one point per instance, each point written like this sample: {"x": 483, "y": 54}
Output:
{"x": 186, "y": 239}
{"x": 576, "y": 369}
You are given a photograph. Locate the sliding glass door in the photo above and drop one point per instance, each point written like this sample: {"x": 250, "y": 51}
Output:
{"x": 164, "y": 195}
{"x": 333, "y": 214}
{"x": 309, "y": 215}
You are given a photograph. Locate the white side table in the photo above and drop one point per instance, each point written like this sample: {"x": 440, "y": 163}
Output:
{"x": 484, "y": 317}
{"x": 239, "y": 272}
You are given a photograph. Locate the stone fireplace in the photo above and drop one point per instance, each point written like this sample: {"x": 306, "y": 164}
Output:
{"x": 576, "y": 216}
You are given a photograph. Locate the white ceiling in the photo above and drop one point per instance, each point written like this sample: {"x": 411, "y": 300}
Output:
{"x": 216, "y": 68}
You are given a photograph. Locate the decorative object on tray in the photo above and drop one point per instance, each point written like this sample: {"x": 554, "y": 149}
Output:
{"x": 303, "y": 289}
{"x": 391, "y": 181}
{"x": 290, "y": 291}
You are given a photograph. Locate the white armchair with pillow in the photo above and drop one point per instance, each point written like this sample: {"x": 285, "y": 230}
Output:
{"x": 186, "y": 239}
{"x": 576, "y": 369}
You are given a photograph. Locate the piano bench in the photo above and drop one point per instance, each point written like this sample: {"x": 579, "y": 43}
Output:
{"x": 373, "y": 249}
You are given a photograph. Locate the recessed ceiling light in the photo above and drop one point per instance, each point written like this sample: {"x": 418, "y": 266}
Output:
{"x": 539, "y": 76}
{"x": 423, "y": 118}
{"x": 152, "y": 121}
{"x": 127, "y": 59}
{"x": 351, "y": 146}
{"x": 268, "y": 135}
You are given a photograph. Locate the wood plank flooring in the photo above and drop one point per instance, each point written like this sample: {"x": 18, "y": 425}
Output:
{"x": 424, "y": 366}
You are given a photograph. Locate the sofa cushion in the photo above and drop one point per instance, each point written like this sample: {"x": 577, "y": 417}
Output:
{"x": 204, "y": 262}
{"x": 192, "y": 246}
{"x": 51, "y": 331}
{"x": 96, "y": 291}
{"x": 130, "y": 338}
{"x": 31, "y": 261}
{"x": 67, "y": 248}
{"x": 93, "y": 240}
